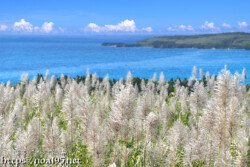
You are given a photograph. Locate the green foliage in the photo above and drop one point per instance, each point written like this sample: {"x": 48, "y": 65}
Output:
{"x": 248, "y": 87}
{"x": 171, "y": 84}
{"x": 179, "y": 161}
{"x": 185, "y": 117}
{"x": 179, "y": 114}
{"x": 198, "y": 164}
{"x": 109, "y": 149}
{"x": 236, "y": 40}
{"x": 28, "y": 117}
{"x": 135, "y": 158}
{"x": 135, "y": 153}
{"x": 234, "y": 151}
{"x": 80, "y": 151}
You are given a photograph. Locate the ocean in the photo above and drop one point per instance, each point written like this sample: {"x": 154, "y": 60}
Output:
{"x": 74, "y": 55}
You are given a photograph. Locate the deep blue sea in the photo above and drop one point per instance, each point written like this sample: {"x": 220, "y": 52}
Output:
{"x": 73, "y": 55}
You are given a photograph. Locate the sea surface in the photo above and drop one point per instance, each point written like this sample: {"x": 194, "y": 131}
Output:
{"x": 74, "y": 55}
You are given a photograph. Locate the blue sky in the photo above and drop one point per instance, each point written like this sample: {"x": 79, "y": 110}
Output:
{"x": 123, "y": 16}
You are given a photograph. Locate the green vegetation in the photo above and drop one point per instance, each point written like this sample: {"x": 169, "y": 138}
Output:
{"x": 238, "y": 40}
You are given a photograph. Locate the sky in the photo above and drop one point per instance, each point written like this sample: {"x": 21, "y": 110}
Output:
{"x": 123, "y": 16}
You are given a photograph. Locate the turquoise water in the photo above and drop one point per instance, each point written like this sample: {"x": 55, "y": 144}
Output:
{"x": 73, "y": 55}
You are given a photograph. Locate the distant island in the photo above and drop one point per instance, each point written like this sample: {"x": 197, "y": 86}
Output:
{"x": 236, "y": 40}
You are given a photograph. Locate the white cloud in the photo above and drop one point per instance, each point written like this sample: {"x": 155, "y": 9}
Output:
{"x": 3, "y": 27}
{"x": 124, "y": 26}
{"x": 225, "y": 25}
{"x": 47, "y": 27}
{"x": 184, "y": 28}
{"x": 148, "y": 29}
{"x": 208, "y": 25}
{"x": 93, "y": 27}
{"x": 242, "y": 24}
{"x": 190, "y": 28}
{"x": 170, "y": 29}
{"x": 22, "y": 25}
{"x": 181, "y": 28}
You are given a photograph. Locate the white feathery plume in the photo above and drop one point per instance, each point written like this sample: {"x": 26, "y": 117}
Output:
{"x": 222, "y": 101}
{"x": 29, "y": 139}
{"x": 58, "y": 94}
{"x": 151, "y": 92}
{"x": 122, "y": 110}
{"x": 23, "y": 82}
{"x": 177, "y": 83}
{"x": 46, "y": 78}
{"x": 94, "y": 80}
{"x": 6, "y": 130}
{"x": 211, "y": 84}
{"x": 143, "y": 85}
{"x": 217, "y": 131}
{"x": 128, "y": 78}
{"x": 69, "y": 103}
{"x": 66, "y": 138}
{"x": 95, "y": 139}
{"x": 207, "y": 76}
{"x": 48, "y": 108}
{"x": 176, "y": 139}
{"x": 235, "y": 82}
{"x": 142, "y": 110}
{"x": 124, "y": 155}
{"x": 195, "y": 148}
{"x": 24, "y": 78}
{"x": 242, "y": 140}
{"x": 201, "y": 73}
{"x": 161, "y": 79}
{"x": 172, "y": 107}
{"x": 182, "y": 94}
{"x": 30, "y": 89}
{"x": 162, "y": 96}
{"x": 51, "y": 139}
{"x": 39, "y": 95}
{"x": 154, "y": 77}
{"x": 244, "y": 75}
{"x": 223, "y": 108}
{"x": 52, "y": 81}
{"x": 87, "y": 80}
{"x": 152, "y": 124}
{"x": 6, "y": 149}
{"x": 190, "y": 82}
{"x": 106, "y": 83}
{"x": 9, "y": 123}
{"x": 84, "y": 109}
{"x": 116, "y": 88}
{"x": 198, "y": 99}
{"x": 194, "y": 73}
{"x": 18, "y": 109}
{"x": 69, "y": 81}
{"x": 112, "y": 165}
{"x": 143, "y": 106}
{"x": 34, "y": 80}
{"x": 62, "y": 81}
{"x": 164, "y": 114}
{"x": 6, "y": 96}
